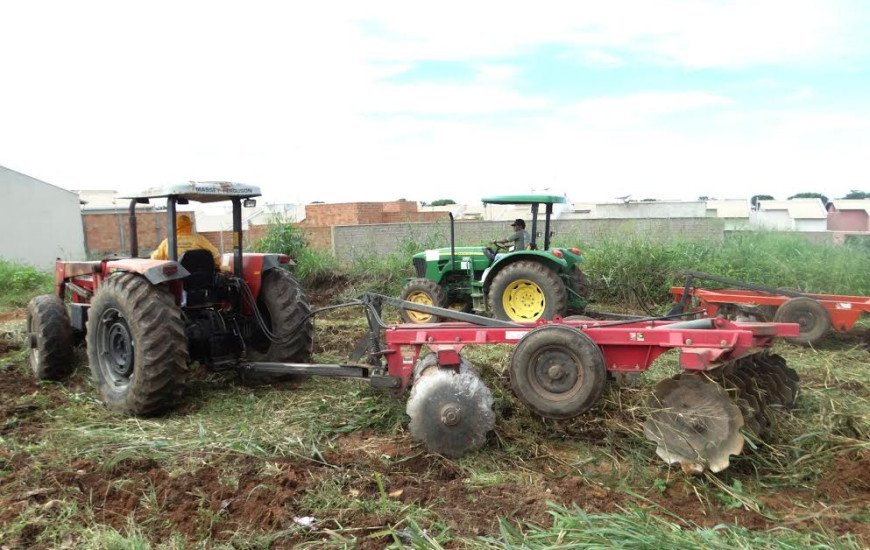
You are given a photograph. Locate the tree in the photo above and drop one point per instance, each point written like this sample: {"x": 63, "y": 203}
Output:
{"x": 810, "y": 196}
{"x": 853, "y": 194}
{"x": 648, "y": 200}
{"x": 755, "y": 198}
{"x": 442, "y": 202}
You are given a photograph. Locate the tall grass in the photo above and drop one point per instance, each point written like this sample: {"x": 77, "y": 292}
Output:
{"x": 19, "y": 283}
{"x": 777, "y": 259}
{"x": 312, "y": 266}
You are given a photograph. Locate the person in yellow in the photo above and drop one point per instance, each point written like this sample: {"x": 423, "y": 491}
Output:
{"x": 186, "y": 240}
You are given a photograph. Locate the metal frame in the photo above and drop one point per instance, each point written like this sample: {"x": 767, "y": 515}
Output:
{"x": 843, "y": 310}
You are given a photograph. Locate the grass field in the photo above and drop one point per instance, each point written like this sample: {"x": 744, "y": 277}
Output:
{"x": 323, "y": 463}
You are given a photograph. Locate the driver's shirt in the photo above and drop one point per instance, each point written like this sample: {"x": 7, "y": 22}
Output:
{"x": 186, "y": 242}
{"x": 521, "y": 239}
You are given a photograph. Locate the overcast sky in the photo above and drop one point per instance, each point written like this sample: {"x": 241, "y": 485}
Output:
{"x": 348, "y": 101}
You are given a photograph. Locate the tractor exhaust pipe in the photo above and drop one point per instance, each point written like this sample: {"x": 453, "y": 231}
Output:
{"x": 452, "y": 243}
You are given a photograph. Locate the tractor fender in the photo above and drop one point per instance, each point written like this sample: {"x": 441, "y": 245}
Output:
{"x": 156, "y": 271}
{"x": 254, "y": 265}
{"x": 559, "y": 265}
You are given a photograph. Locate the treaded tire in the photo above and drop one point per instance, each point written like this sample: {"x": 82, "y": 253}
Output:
{"x": 579, "y": 378}
{"x": 285, "y": 306}
{"x": 812, "y": 317}
{"x": 136, "y": 345}
{"x": 579, "y": 281}
{"x": 422, "y": 287}
{"x": 551, "y": 285}
{"x": 50, "y": 336}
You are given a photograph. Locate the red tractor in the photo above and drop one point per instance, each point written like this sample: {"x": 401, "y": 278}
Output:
{"x": 146, "y": 320}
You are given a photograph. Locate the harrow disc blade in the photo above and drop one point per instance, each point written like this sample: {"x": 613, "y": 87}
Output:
{"x": 450, "y": 413}
{"x": 694, "y": 423}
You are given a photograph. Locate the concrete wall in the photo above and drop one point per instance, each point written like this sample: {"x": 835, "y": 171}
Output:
{"x": 353, "y": 241}
{"x": 651, "y": 209}
{"x": 39, "y": 222}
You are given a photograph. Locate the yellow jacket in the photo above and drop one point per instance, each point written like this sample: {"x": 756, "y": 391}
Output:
{"x": 186, "y": 240}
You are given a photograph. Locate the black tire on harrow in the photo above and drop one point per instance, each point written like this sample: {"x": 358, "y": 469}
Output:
{"x": 425, "y": 292}
{"x": 812, "y": 317}
{"x": 284, "y": 307}
{"x": 50, "y": 338}
{"x": 558, "y": 372}
{"x": 550, "y": 285}
{"x": 136, "y": 345}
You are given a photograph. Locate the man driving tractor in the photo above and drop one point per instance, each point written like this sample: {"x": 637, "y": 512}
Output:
{"x": 187, "y": 240}
{"x": 520, "y": 237}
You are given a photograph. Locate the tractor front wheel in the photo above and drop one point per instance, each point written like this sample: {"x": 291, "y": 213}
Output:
{"x": 527, "y": 291}
{"x": 425, "y": 293}
{"x": 136, "y": 345}
{"x": 50, "y": 336}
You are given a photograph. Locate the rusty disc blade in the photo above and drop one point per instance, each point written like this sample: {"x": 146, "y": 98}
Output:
{"x": 451, "y": 413}
{"x": 694, "y": 423}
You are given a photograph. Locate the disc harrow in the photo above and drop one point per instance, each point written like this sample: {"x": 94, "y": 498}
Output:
{"x": 696, "y": 417}
{"x": 559, "y": 369}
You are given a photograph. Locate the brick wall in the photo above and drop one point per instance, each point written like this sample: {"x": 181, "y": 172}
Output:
{"x": 109, "y": 232}
{"x": 381, "y": 239}
{"x": 223, "y": 240}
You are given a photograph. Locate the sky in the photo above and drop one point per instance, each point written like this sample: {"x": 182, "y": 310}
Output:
{"x": 355, "y": 101}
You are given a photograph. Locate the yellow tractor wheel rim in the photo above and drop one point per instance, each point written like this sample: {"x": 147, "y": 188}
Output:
{"x": 523, "y": 300}
{"x": 458, "y": 306}
{"x": 422, "y": 298}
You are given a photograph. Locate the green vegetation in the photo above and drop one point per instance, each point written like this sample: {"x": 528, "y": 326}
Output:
{"x": 619, "y": 268}
{"x": 312, "y": 267}
{"x": 20, "y": 283}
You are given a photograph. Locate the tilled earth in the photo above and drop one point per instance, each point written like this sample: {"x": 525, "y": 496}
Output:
{"x": 374, "y": 479}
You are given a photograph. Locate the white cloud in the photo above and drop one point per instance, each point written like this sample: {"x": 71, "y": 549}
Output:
{"x": 636, "y": 109}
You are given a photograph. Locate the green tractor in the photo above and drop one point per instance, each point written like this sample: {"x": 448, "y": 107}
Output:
{"x": 520, "y": 285}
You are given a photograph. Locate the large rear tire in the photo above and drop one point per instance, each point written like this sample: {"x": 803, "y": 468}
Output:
{"x": 284, "y": 307}
{"x": 812, "y": 317}
{"x": 136, "y": 345}
{"x": 50, "y": 336}
{"x": 423, "y": 292}
{"x": 526, "y": 291}
{"x": 579, "y": 281}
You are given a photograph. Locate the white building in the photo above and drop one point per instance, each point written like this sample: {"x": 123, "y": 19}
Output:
{"x": 40, "y": 222}
{"x": 791, "y": 215}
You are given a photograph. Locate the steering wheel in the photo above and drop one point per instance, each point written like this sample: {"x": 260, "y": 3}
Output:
{"x": 498, "y": 247}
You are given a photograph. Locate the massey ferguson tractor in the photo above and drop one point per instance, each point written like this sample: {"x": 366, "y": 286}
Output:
{"x": 518, "y": 285}
{"x": 145, "y": 320}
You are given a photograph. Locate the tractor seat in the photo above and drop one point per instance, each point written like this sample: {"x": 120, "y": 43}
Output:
{"x": 489, "y": 253}
{"x": 200, "y": 265}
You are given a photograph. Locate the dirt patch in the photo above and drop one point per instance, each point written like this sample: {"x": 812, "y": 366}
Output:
{"x": 14, "y": 315}
{"x": 848, "y": 478}
{"x": 327, "y": 288}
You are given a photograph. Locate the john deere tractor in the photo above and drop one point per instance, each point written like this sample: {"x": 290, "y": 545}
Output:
{"x": 519, "y": 285}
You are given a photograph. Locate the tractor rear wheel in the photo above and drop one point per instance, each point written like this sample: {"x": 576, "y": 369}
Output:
{"x": 284, "y": 308}
{"x": 558, "y": 371}
{"x": 812, "y": 317}
{"x": 51, "y": 337}
{"x": 579, "y": 281}
{"x": 527, "y": 291}
{"x": 425, "y": 293}
{"x": 136, "y": 345}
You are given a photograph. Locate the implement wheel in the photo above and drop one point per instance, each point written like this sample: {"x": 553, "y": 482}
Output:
{"x": 51, "y": 337}
{"x": 558, "y": 372}
{"x": 425, "y": 293}
{"x": 527, "y": 291}
{"x": 812, "y": 317}
{"x": 136, "y": 345}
